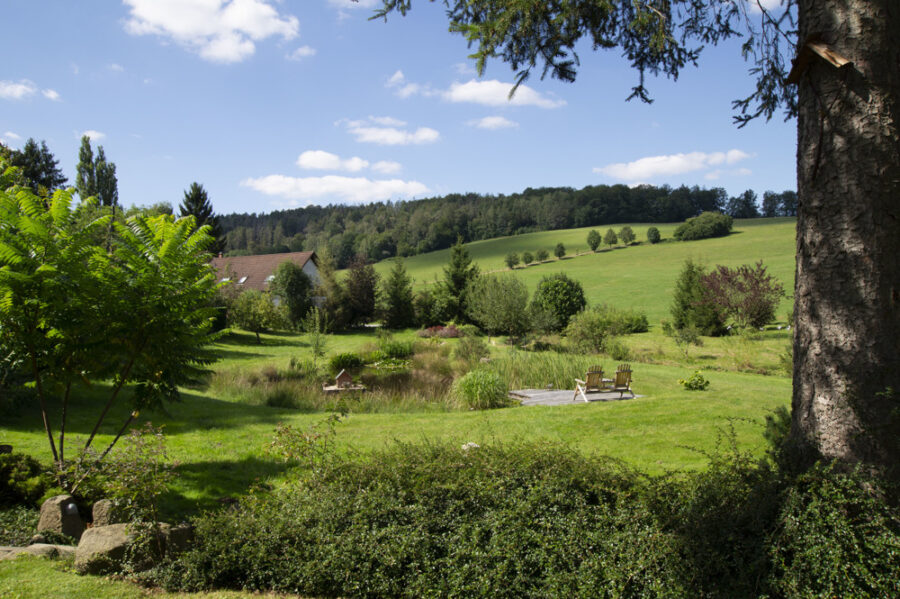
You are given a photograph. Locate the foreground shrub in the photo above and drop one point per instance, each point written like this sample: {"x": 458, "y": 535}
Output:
{"x": 540, "y": 520}
{"x": 345, "y": 361}
{"x": 480, "y": 389}
{"x": 23, "y": 480}
{"x": 17, "y": 525}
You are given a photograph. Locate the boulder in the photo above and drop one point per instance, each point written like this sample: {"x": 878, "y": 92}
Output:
{"x": 38, "y": 549}
{"x": 60, "y": 514}
{"x": 106, "y": 513}
{"x": 102, "y": 549}
{"x": 176, "y": 538}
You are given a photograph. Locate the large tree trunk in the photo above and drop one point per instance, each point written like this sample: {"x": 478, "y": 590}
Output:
{"x": 846, "y": 403}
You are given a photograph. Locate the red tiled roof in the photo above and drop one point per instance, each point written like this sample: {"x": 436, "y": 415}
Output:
{"x": 257, "y": 269}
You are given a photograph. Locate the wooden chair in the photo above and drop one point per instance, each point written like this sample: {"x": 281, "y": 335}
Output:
{"x": 622, "y": 382}
{"x": 592, "y": 383}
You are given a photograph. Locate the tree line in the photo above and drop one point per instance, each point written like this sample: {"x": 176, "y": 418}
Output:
{"x": 387, "y": 229}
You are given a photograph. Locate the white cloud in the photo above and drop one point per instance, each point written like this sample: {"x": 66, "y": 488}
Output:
{"x": 301, "y": 53}
{"x": 11, "y": 90}
{"x": 493, "y": 122}
{"x": 672, "y": 164}
{"x": 387, "y": 167}
{"x": 218, "y": 30}
{"x": 11, "y": 136}
{"x": 51, "y": 94}
{"x": 116, "y": 67}
{"x": 404, "y": 88}
{"x": 352, "y": 190}
{"x": 496, "y": 93}
{"x": 94, "y": 135}
{"x": 321, "y": 160}
{"x": 386, "y": 131}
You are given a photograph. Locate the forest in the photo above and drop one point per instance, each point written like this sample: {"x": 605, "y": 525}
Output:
{"x": 386, "y": 229}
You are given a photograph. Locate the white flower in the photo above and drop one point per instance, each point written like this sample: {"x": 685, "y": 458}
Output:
{"x": 469, "y": 445}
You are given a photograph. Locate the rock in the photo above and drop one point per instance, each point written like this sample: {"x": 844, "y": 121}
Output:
{"x": 102, "y": 549}
{"x": 38, "y": 549}
{"x": 177, "y": 538}
{"x": 106, "y": 513}
{"x": 38, "y": 538}
{"x": 60, "y": 514}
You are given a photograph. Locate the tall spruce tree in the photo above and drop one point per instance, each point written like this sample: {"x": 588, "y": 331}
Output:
{"x": 458, "y": 274}
{"x": 39, "y": 167}
{"x": 398, "y": 298}
{"x": 86, "y": 176}
{"x": 362, "y": 291}
{"x": 196, "y": 203}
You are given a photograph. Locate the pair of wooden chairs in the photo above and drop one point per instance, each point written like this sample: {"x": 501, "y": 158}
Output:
{"x": 595, "y": 383}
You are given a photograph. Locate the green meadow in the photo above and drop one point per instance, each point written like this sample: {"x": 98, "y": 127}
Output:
{"x": 641, "y": 276}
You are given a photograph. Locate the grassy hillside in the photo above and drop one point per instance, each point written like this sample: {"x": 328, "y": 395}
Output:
{"x": 639, "y": 276}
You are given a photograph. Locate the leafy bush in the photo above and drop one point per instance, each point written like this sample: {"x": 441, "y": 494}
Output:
{"x": 623, "y": 322}
{"x": 540, "y": 520}
{"x": 695, "y": 382}
{"x": 17, "y": 525}
{"x": 707, "y": 224}
{"x": 499, "y": 303}
{"x": 541, "y": 255}
{"x": 23, "y": 480}
{"x": 593, "y": 240}
{"x": 747, "y": 295}
{"x": 345, "y": 361}
{"x": 626, "y": 234}
{"x": 561, "y": 296}
{"x": 617, "y": 350}
{"x": 588, "y": 331}
{"x": 653, "y": 235}
{"x": 511, "y": 260}
{"x": 560, "y": 250}
{"x": 527, "y": 258}
{"x": 480, "y": 389}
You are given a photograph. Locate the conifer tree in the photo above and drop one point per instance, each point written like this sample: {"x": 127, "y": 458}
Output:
{"x": 458, "y": 274}
{"x": 105, "y": 176}
{"x": 398, "y": 298}
{"x": 196, "y": 203}
{"x": 39, "y": 167}
{"x": 362, "y": 288}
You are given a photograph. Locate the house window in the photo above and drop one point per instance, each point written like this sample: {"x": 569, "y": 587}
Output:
{"x": 270, "y": 278}
{"x": 241, "y": 282}
{"x": 225, "y": 279}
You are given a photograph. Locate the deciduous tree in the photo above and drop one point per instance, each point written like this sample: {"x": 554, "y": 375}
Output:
{"x": 511, "y": 260}
{"x": 294, "y": 289}
{"x": 594, "y": 239}
{"x": 560, "y": 295}
{"x": 610, "y": 238}
{"x": 559, "y": 251}
{"x": 626, "y": 234}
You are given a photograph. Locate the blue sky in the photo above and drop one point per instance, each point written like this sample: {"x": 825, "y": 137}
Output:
{"x": 272, "y": 104}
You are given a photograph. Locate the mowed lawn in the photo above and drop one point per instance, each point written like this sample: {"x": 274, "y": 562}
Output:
{"x": 640, "y": 276}
{"x": 221, "y": 444}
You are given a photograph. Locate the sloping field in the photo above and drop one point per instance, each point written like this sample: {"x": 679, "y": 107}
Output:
{"x": 640, "y": 276}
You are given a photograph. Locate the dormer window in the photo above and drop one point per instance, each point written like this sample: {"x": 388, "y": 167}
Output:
{"x": 241, "y": 281}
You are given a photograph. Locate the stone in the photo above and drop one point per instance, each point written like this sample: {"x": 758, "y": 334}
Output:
{"x": 102, "y": 549}
{"x": 177, "y": 538}
{"x": 39, "y": 550}
{"x": 106, "y": 513}
{"x": 38, "y": 538}
{"x": 60, "y": 514}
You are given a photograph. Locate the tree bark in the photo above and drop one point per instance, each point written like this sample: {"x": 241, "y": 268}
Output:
{"x": 846, "y": 401}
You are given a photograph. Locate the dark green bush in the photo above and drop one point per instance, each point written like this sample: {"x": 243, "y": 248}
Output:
{"x": 559, "y": 295}
{"x": 345, "y": 361}
{"x": 540, "y": 520}
{"x": 653, "y": 235}
{"x": 707, "y": 224}
{"x": 23, "y": 480}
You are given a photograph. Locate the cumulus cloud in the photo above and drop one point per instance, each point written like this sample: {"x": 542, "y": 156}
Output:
{"x": 496, "y": 93}
{"x": 321, "y": 160}
{"x": 387, "y": 167}
{"x": 301, "y": 53}
{"x": 404, "y": 89}
{"x": 94, "y": 135}
{"x": 493, "y": 122}
{"x": 12, "y": 90}
{"x": 352, "y": 190}
{"x": 218, "y": 30}
{"x": 51, "y": 94}
{"x": 671, "y": 164}
{"x": 387, "y": 131}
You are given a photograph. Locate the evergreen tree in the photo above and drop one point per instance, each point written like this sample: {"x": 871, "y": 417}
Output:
{"x": 334, "y": 305}
{"x": 743, "y": 206}
{"x": 362, "y": 289}
{"x": 458, "y": 275}
{"x": 39, "y": 167}
{"x": 86, "y": 177}
{"x": 594, "y": 240}
{"x": 688, "y": 308}
{"x": 196, "y": 203}
{"x": 398, "y": 298}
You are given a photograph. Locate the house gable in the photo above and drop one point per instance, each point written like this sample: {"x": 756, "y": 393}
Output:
{"x": 256, "y": 272}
